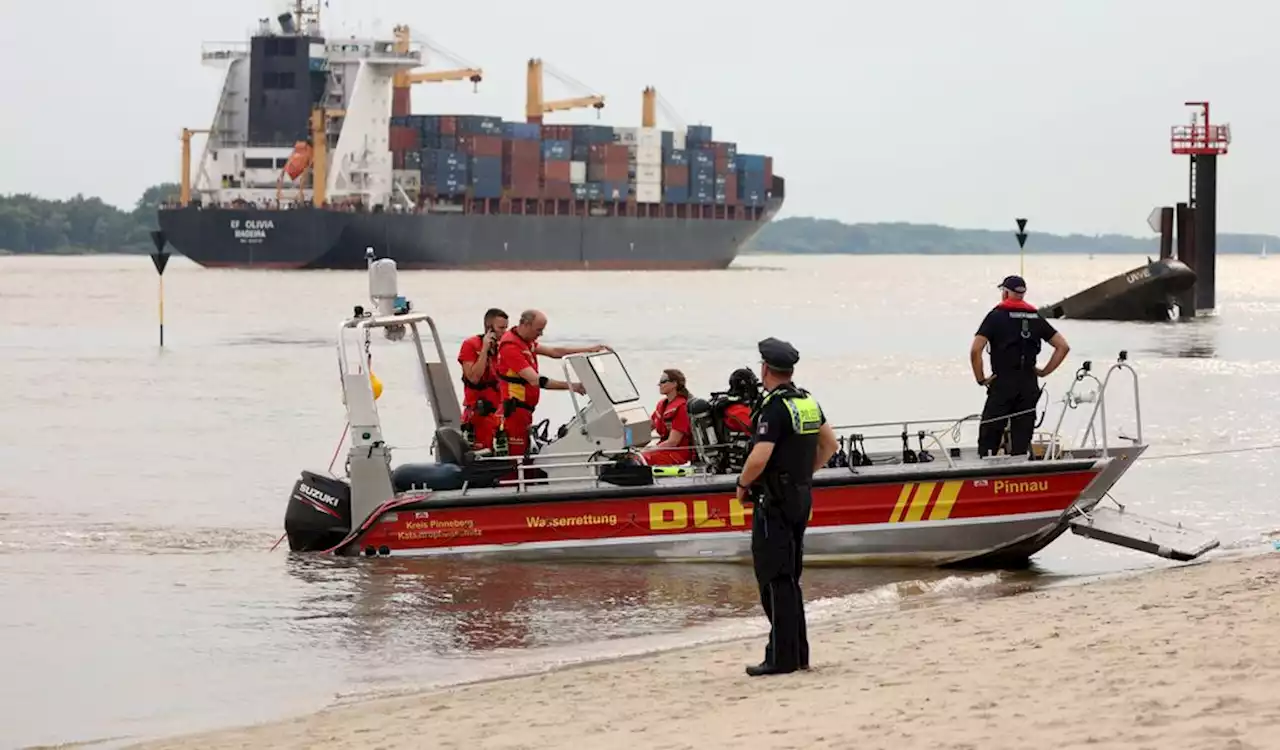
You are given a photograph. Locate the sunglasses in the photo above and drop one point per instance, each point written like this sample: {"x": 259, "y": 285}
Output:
{"x": 663, "y": 380}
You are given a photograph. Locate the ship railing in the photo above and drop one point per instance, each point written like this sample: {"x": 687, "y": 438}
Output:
{"x": 213, "y": 51}
{"x": 591, "y": 464}
{"x": 1096, "y": 428}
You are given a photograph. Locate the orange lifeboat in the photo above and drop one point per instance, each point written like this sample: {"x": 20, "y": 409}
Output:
{"x": 298, "y": 160}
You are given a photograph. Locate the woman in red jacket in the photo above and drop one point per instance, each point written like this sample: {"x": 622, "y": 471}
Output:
{"x": 670, "y": 422}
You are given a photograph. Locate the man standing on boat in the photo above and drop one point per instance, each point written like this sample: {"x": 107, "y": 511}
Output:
{"x": 480, "y": 394}
{"x": 521, "y": 385}
{"x": 1014, "y": 330}
{"x": 791, "y": 440}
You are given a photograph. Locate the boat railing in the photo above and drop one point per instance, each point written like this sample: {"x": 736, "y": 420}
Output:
{"x": 1097, "y": 425}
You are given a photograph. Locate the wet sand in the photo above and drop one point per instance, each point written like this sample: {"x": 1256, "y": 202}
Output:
{"x": 1186, "y": 656}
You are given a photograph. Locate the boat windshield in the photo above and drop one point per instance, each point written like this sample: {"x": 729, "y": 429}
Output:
{"x": 615, "y": 379}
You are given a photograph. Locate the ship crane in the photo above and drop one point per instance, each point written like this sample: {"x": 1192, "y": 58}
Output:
{"x": 649, "y": 110}
{"x": 536, "y": 107}
{"x": 465, "y": 72}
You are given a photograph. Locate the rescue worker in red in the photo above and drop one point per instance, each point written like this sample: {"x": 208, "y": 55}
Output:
{"x": 1014, "y": 330}
{"x": 744, "y": 390}
{"x": 481, "y": 397}
{"x": 670, "y": 422}
{"x": 521, "y": 385}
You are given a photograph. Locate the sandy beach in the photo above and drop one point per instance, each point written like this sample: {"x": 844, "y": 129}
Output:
{"x": 1186, "y": 657}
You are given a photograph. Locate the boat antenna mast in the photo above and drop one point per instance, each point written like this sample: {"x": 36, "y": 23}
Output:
{"x": 306, "y": 14}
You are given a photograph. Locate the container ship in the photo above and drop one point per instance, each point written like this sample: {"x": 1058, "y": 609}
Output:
{"x": 314, "y": 157}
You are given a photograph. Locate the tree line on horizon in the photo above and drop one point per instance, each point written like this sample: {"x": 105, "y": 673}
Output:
{"x": 80, "y": 225}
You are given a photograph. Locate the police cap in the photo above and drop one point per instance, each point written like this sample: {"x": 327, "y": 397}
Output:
{"x": 1014, "y": 284}
{"x": 778, "y": 355}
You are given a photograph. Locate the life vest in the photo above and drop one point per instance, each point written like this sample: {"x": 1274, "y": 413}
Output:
{"x": 1020, "y": 351}
{"x": 806, "y": 415}
{"x": 665, "y": 415}
{"x": 487, "y": 387}
{"x": 737, "y": 418}
{"x": 516, "y": 392}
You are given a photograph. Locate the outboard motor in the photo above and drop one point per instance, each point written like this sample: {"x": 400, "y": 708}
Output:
{"x": 319, "y": 513}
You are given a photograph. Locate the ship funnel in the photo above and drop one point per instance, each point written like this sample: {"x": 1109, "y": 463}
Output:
{"x": 286, "y": 22}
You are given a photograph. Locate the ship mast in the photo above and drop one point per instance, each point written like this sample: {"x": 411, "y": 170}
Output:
{"x": 307, "y": 9}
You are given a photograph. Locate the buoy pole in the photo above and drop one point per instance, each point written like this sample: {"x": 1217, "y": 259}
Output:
{"x": 1022, "y": 242}
{"x": 160, "y": 259}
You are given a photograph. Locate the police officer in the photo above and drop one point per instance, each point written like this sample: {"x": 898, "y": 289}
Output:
{"x": 790, "y": 441}
{"x": 1014, "y": 330}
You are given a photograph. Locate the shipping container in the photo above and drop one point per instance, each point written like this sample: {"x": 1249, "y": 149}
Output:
{"x": 679, "y": 141}
{"x": 677, "y": 157}
{"x": 668, "y": 141}
{"x": 731, "y": 189}
{"x": 625, "y": 136}
{"x": 595, "y": 172}
{"x": 407, "y": 178}
{"x": 402, "y": 138}
{"x": 449, "y": 142}
{"x": 412, "y": 160}
{"x": 607, "y": 153}
{"x": 675, "y": 194}
{"x": 580, "y": 191}
{"x": 521, "y": 151}
{"x": 701, "y": 176}
{"x": 480, "y": 145}
{"x": 750, "y": 163}
{"x": 479, "y": 125}
{"x": 725, "y": 165}
{"x": 448, "y": 125}
{"x": 557, "y": 150}
{"x": 651, "y": 173}
{"x": 648, "y": 193}
{"x": 577, "y": 172}
{"x": 649, "y": 138}
{"x": 404, "y": 121}
{"x": 556, "y": 171}
{"x": 426, "y": 124}
{"x": 522, "y": 131}
{"x": 557, "y": 133}
{"x": 768, "y": 172}
{"x": 430, "y": 141}
{"x": 614, "y": 191}
{"x": 674, "y": 175}
{"x": 592, "y": 134}
{"x": 649, "y": 155}
{"x": 581, "y": 152}
{"x": 486, "y": 176}
{"x": 397, "y": 159}
{"x": 729, "y": 150}
{"x": 560, "y": 191}
{"x": 704, "y": 195}
{"x": 697, "y": 135}
{"x": 699, "y": 157}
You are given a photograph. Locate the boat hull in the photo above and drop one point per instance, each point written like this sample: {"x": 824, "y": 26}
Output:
{"x": 1002, "y": 515}
{"x": 308, "y": 238}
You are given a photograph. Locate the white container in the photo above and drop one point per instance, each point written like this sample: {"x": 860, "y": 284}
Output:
{"x": 577, "y": 172}
{"x": 408, "y": 177}
{"x": 649, "y": 155}
{"x": 650, "y": 173}
{"x": 648, "y": 193}
{"x": 625, "y": 135}
{"x": 649, "y": 137}
{"x": 678, "y": 139}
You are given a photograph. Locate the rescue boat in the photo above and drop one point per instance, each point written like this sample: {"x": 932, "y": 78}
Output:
{"x": 583, "y": 495}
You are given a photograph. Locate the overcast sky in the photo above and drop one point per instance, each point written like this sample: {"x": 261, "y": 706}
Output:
{"x": 959, "y": 113}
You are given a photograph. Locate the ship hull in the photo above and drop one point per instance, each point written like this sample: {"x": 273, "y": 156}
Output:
{"x": 323, "y": 239}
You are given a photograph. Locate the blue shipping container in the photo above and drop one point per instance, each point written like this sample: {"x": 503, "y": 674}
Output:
{"x": 557, "y": 150}
{"x": 430, "y": 140}
{"x": 677, "y": 157}
{"x": 668, "y": 141}
{"x": 703, "y": 175}
{"x": 581, "y": 152}
{"x": 433, "y": 157}
{"x": 403, "y": 121}
{"x": 412, "y": 160}
{"x": 591, "y": 134}
{"x": 698, "y": 134}
{"x": 751, "y": 181}
{"x": 701, "y": 157}
{"x": 486, "y": 176}
{"x": 580, "y": 192}
{"x": 594, "y": 191}
{"x": 449, "y": 142}
{"x": 704, "y": 195}
{"x": 752, "y": 199}
{"x": 428, "y": 124}
{"x": 731, "y": 151}
{"x": 675, "y": 194}
{"x": 479, "y": 125}
{"x": 614, "y": 191}
{"x": 750, "y": 163}
{"x": 522, "y": 131}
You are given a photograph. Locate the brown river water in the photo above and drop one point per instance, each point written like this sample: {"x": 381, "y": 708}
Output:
{"x": 141, "y": 489}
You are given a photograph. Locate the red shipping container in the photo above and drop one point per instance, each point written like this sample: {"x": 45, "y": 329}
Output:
{"x": 404, "y": 138}
{"x": 555, "y": 171}
{"x": 397, "y": 160}
{"x": 521, "y": 150}
{"x": 525, "y": 189}
{"x": 480, "y": 145}
{"x": 561, "y": 191}
{"x": 721, "y": 149}
{"x": 615, "y": 172}
{"x": 675, "y": 175}
{"x": 448, "y": 125}
{"x": 722, "y": 164}
{"x": 731, "y": 189}
{"x": 768, "y": 173}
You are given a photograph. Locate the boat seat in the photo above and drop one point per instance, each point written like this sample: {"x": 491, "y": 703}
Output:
{"x": 452, "y": 447}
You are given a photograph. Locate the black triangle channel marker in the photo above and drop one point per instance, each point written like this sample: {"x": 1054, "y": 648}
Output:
{"x": 1022, "y": 240}
{"x": 1022, "y": 225}
{"x": 160, "y": 258}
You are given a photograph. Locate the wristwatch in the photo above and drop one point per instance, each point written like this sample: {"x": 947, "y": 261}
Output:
{"x": 740, "y": 485}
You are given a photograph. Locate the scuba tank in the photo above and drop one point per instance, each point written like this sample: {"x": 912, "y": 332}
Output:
{"x": 469, "y": 434}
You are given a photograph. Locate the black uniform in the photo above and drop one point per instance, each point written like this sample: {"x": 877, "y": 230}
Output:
{"x": 790, "y": 419}
{"x": 1014, "y": 330}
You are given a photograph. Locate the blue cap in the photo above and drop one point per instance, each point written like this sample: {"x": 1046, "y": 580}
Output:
{"x": 778, "y": 355}
{"x": 1014, "y": 284}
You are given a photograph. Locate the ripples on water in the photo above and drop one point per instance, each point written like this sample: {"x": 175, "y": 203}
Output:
{"x": 141, "y": 489}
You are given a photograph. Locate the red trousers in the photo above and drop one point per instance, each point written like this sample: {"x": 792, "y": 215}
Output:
{"x": 517, "y": 426}
{"x": 484, "y": 427}
{"x": 667, "y": 456}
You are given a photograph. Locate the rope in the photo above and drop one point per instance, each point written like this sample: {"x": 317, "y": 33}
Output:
{"x": 1223, "y": 451}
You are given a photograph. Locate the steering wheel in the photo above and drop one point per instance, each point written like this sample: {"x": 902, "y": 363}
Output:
{"x": 539, "y": 431}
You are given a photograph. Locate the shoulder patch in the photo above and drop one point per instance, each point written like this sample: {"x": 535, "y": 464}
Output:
{"x": 764, "y": 428}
